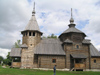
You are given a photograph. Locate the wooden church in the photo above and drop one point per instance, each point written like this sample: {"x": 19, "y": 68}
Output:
{"x": 70, "y": 50}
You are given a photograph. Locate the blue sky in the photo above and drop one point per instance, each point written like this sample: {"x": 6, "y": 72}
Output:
{"x": 52, "y": 16}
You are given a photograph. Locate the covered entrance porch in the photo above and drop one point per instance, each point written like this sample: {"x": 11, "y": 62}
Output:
{"x": 16, "y": 62}
{"x": 78, "y": 62}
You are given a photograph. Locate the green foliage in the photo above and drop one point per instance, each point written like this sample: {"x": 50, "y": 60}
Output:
{"x": 7, "y": 61}
{"x": 17, "y": 44}
{"x": 44, "y": 37}
{"x": 1, "y": 59}
{"x": 52, "y": 36}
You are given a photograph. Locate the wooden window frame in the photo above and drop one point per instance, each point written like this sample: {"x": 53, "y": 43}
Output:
{"x": 53, "y": 60}
{"x": 94, "y": 60}
{"x": 77, "y": 46}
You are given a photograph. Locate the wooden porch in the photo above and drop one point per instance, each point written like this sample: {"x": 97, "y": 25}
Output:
{"x": 16, "y": 64}
{"x": 78, "y": 63}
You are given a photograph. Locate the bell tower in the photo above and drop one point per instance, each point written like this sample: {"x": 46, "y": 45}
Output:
{"x": 31, "y": 33}
{"x": 31, "y": 37}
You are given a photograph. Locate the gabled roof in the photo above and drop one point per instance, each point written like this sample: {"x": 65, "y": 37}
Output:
{"x": 24, "y": 46}
{"x": 94, "y": 52}
{"x": 49, "y": 46}
{"x": 79, "y": 55}
{"x": 86, "y": 41}
{"x": 68, "y": 41}
{"x": 15, "y": 52}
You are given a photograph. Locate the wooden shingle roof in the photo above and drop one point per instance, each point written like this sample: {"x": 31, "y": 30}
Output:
{"x": 94, "y": 52}
{"x": 15, "y": 52}
{"x": 49, "y": 46}
{"x": 24, "y": 46}
{"x": 72, "y": 29}
{"x": 68, "y": 41}
{"x": 79, "y": 55}
{"x": 86, "y": 41}
{"x": 32, "y": 24}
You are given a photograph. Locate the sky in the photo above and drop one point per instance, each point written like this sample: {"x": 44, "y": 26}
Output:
{"x": 52, "y": 16}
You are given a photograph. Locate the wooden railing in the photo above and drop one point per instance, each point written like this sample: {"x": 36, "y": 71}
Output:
{"x": 79, "y": 66}
{"x": 16, "y": 64}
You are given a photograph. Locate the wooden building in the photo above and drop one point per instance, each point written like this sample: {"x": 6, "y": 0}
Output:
{"x": 70, "y": 50}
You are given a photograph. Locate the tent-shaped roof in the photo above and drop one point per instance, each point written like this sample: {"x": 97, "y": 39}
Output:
{"x": 32, "y": 24}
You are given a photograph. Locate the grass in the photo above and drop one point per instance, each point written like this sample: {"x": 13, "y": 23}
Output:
{"x": 16, "y": 71}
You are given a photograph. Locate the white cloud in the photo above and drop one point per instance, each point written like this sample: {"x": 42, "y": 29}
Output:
{"x": 52, "y": 16}
{"x": 4, "y": 52}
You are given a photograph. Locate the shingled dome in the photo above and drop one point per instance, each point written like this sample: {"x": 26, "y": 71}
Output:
{"x": 72, "y": 29}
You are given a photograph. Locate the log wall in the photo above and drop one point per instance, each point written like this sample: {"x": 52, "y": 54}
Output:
{"x": 46, "y": 61}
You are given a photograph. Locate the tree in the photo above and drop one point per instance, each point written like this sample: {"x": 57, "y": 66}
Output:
{"x": 17, "y": 44}
{"x": 1, "y": 59}
{"x": 52, "y": 36}
{"x": 44, "y": 37}
{"x": 7, "y": 61}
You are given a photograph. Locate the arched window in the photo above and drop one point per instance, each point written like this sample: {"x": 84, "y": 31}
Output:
{"x": 77, "y": 46}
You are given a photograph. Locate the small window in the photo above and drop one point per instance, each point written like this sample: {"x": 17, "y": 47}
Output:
{"x": 53, "y": 60}
{"x": 30, "y": 44}
{"x": 29, "y": 33}
{"x": 94, "y": 61}
{"x": 33, "y": 33}
{"x": 77, "y": 46}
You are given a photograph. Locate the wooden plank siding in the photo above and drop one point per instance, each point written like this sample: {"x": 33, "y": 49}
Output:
{"x": 95, "y": 65}
{"x": 79, "y": 66}
{"x": 16, "y": 64}
{"x": 46, "y": 61}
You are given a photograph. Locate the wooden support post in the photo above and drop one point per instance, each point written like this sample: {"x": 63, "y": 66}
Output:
{"x": 74, "y": 65}
{"x": 12, "y": 63}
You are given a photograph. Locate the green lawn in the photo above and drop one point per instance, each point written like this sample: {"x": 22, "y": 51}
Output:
{"x": 11, "y": 71}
